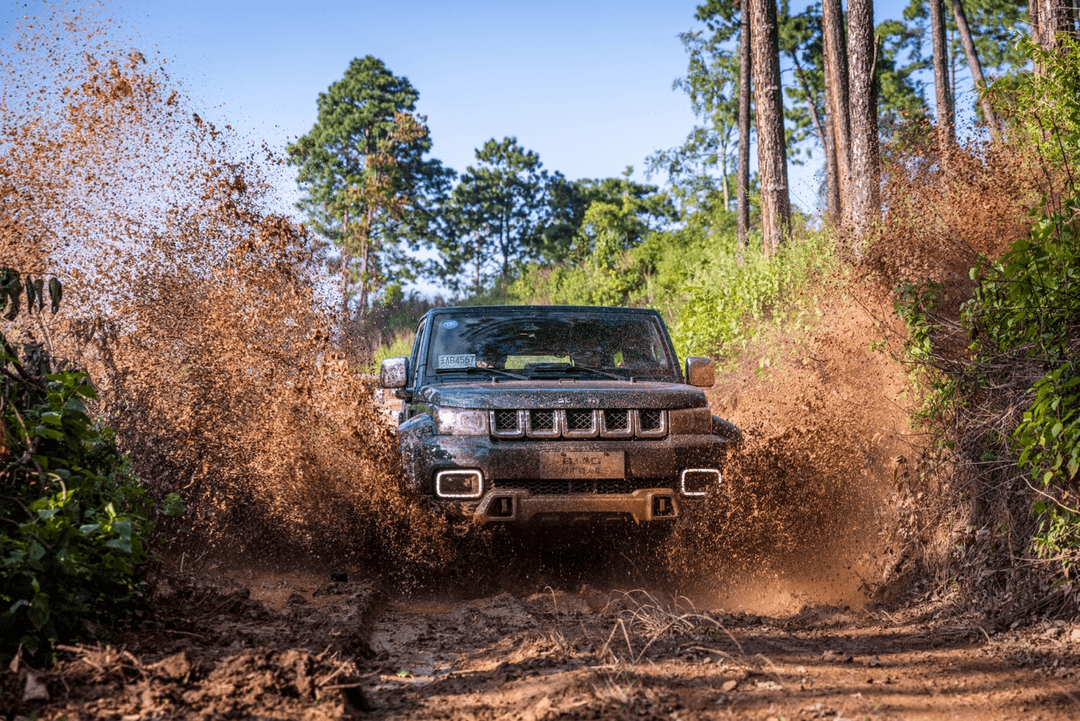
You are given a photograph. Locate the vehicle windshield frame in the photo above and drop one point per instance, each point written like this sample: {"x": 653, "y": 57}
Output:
{"x": 651, "y": 358}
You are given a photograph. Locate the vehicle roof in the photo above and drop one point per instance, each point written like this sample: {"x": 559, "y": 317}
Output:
{"x": 543, "y": 309}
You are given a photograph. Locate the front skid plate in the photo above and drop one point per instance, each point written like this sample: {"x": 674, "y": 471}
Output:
{"x": 526, "y": 506}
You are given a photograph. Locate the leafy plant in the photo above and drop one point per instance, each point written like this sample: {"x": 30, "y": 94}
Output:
{"x": 1028, "y": 305}
{"x": 75, "y": 519}
{"x": 730, "y": 302}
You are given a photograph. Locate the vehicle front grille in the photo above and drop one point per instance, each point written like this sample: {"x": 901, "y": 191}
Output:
{"x": 542, "y": 422}
{"x": 617, "y": 421}
{"x": 563, "y": 487}
{"x": 504, "y": 421}
{"x": 579, "y": 420}
{"x": 651, "y": 423}
{"x": 609, "y": 423}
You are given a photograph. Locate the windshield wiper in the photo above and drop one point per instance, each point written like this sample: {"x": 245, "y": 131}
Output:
{"x": 565, "y": 367}
{"x": 478, "y": 369}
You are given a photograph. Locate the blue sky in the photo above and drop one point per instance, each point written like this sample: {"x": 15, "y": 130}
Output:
{"x": 585, "y": 83}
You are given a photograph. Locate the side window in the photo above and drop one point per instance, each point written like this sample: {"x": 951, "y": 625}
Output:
{"x": 415, "y": 353}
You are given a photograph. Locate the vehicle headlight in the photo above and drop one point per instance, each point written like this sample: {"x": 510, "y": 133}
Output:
{"x": 698, "y": 481}
{"x": 690, "y": 421}
{"x": 459, "y": 483}
{"x": 460, "y": 422}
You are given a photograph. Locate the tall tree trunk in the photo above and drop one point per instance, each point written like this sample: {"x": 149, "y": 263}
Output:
{"x": 960, "y": 17}
{"x": 504, "y": 240}
{"x": 866, "y": 191}
{"x": 1048, "y": 18}
{"x": 346, "y": 259}
{"x": 1033, "y": 21}
{"x": 836, "y": 71}
{"x": 832, "y": 171}
{"x": 823, "y": 133}
{"x": 365, "y": 259}
{"x": 811, "y": 102}
{"x": 478, "y": 258}
{"x": 742, "y": 182}
{"x": 946, "y": 116}
{"x": 769, "y": 116}
{"x": 723, "y": 169}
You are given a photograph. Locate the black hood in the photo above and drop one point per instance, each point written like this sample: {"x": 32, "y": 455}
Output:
{"x": 563, "y": 394}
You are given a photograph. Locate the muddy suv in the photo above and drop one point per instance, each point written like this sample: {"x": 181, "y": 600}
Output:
{"x": 520, "y": 414}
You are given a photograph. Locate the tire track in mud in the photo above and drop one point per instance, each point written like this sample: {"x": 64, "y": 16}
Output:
{"x": 547, "y": 653}
{"x": 596, "y": 654}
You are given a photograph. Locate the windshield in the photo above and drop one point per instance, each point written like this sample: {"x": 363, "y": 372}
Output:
{"x": 543, "y": 346}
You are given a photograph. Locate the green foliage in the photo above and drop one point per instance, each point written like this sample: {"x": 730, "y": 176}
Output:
{"x": 694, "y": 276}
{"x": 496, "y": 215}
{"x": 512, "y": 232}
{"x": 1047, "y": 105}
{"x": 362, "y": 164}
{"x": 612, "y": 270}
{"x": 401, "y": 345}
{"x": 75, "y": 519}
{"x": 730, "y": 303}
{"x": 1023, "y": 321}
{"x": 916, "y": 304}
{"x": 901, "y": 97}
{"x": 1028, "y": 304}
{"x": 993, "y": 25}
{"x": 712, "y": 83}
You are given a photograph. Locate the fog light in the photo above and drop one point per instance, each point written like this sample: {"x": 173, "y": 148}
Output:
{"x": 459, "y": 484}
{"x": 662, "y": 506}
{"x": 698, "y": 481}
{"x": 502, "y": 507}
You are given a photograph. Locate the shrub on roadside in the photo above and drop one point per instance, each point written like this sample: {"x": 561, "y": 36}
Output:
{"x": 729, "y": 303}
{"x": 75, "y": 520}
{"x": 1000, "y": 373}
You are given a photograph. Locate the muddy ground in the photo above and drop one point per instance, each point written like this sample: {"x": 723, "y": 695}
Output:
{"x": 293, "y": 644}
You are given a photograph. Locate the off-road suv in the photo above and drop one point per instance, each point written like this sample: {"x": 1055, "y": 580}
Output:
{"x": 555, "y": 413}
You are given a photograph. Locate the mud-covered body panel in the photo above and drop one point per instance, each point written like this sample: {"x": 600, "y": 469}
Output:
{"x": 511, "y": 394}
{"x": 504, "y": 460}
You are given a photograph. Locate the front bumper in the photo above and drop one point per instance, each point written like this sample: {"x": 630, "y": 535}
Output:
{"x": 518, "y": 506}
{"x": 509, "y": 467}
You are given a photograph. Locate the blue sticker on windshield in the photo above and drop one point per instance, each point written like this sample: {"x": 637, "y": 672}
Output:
{"x": 449, "y": 324}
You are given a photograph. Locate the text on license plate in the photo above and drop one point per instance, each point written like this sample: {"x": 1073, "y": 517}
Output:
{"x": 582, "y": 464}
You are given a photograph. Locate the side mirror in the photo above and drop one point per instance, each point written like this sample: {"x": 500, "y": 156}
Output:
{"x": 394, "y": 372}
{"x": 700, "y": 371}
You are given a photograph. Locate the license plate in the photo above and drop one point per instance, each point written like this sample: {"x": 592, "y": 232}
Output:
{"x": 582, "y": 464}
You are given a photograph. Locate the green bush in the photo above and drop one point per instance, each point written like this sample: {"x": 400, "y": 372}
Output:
{"x": 729, "y": 304}
{"x": 1027, "y": 307}
{"x": 75, "y": 518}
{"x": 1002, "y": 392}
{"x": 401, "y": 345}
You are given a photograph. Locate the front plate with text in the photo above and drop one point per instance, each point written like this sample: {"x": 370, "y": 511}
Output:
{"x": 582, "y": 464}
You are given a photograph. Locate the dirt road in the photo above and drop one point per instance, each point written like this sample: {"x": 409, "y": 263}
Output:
{"x": 294, "y": 644}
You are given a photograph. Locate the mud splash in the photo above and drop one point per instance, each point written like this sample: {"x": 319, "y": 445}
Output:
{"x": 806, "y": 514}
{"x": 195, "y": 301}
